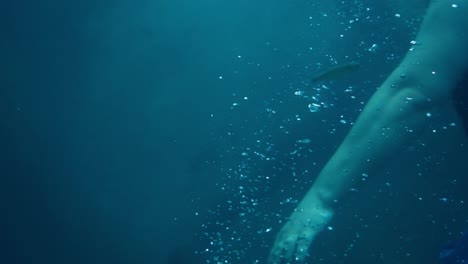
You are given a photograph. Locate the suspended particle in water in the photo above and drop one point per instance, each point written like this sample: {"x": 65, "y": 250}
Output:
{"x": 373, "y": 48}
{"x": 304, "y": 141}
{"x": 313, "y": 107}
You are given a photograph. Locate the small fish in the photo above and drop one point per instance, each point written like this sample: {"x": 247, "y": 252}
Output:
{"x": 336, "y": 72}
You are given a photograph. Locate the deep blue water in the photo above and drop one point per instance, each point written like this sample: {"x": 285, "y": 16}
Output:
{"x": 166, "y": 132}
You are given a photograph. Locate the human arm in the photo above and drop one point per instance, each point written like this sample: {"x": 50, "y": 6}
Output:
{"x": 394, "y": 116}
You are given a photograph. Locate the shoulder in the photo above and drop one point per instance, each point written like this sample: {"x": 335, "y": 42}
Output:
{"x": 440, "y": 56}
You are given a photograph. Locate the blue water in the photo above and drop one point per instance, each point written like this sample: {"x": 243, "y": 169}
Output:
{"x": 456, "y": 251}
{"x": 180, "y": 132}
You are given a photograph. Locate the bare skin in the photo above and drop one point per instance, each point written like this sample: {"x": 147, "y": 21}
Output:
{"x": 394, "y": 116}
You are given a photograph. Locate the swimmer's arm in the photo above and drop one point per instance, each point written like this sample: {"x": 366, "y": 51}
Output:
{"x": 397, "y": 111}
{"x": 392, "y": 118}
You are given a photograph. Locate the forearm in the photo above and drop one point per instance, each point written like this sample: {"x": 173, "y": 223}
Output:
{"x": 393, "y": 117}
{"x": 396, "y": 113}
{"x": 389, "y": 122}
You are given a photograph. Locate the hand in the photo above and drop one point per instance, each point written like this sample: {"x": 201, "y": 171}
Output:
{"x": 294, "y": 239}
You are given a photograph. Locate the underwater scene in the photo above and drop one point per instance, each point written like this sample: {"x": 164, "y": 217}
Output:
{"x": 181, "y": 131}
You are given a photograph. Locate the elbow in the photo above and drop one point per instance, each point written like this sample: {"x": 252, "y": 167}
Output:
{"x": 409, "y": 101}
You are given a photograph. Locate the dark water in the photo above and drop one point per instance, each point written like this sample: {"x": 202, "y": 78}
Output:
{"x": 167, "y": 132}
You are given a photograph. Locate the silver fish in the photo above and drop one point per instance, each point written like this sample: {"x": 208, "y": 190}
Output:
{"x": 336, "y": 72}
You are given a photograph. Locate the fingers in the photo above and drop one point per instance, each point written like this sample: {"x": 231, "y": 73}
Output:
{"x": 302, "y": 249}
{"x": 290, "y": 250}
{"x": 296, "y": 236}
{"x": 281, "y": 252}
